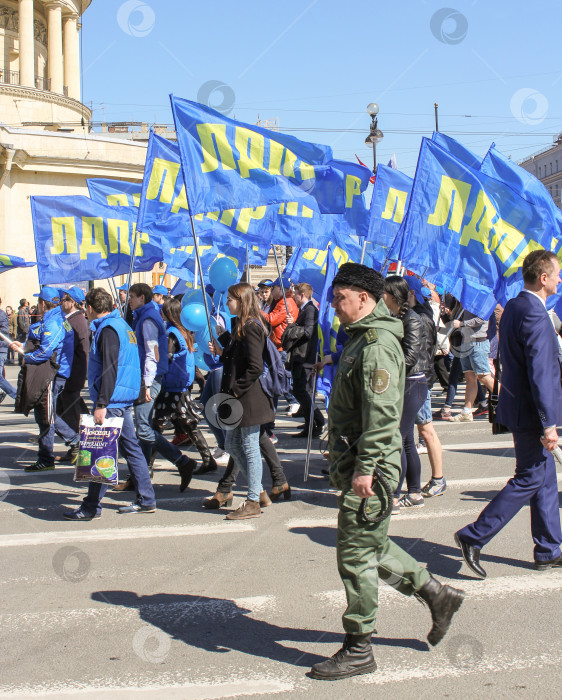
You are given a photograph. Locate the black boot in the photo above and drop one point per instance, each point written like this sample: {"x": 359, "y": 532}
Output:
{"x": 208, "y": 462}
{"x": 443, "y": 602}
{"x": 71, "y": 455}
{"x": 185, "y": 465}
{"x": 354, "y": 658}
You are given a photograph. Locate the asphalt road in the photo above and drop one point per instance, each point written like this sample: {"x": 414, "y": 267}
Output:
{"x": 184, "y": 604}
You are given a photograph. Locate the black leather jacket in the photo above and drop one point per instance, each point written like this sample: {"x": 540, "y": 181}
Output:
{"x": 416, "y": 343}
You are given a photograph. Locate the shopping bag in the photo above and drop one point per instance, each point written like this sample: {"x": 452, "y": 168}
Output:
{"x": 97, "y": 455}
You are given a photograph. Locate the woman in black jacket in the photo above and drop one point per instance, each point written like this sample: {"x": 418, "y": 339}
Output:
{"x": 395, "y": 296}
{"x": 241, "y": 416}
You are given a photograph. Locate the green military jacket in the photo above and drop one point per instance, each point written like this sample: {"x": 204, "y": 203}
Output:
{"x": 366, "y": 402}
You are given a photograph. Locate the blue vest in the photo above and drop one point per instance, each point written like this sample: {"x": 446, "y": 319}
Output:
{"x": 127, "y": 384}
{"x": 181, "y": 369}
{"x": 148, "y": 311}
{"x": 67, "y": 351}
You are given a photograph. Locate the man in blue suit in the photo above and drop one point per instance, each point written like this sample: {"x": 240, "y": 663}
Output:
{"x": 529, "y": 404}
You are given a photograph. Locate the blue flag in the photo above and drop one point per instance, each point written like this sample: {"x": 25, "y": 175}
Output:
{"x": 328, "y": 325}
{"x": 457, "y": 150}
{"x": 228, "y": 164}
{"x": 523, "y": 183}
{"x": 310, "y": 264}
{"x": 78, "y": 239}
{"x": 114, "y": 193}
{"x": 468, "y": 232}
{"x": 9, "y": 262}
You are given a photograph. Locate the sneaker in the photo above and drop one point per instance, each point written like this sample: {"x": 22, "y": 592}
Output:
{"x": 434, "y": 487}
{"x": 79, "y": 514}
{"x": 396, "y": 507}
{"x": 2, "y": 396}
{"x": 412, "y": 500}
{"x": 136, "y": 508}
{"x": 221, "y": 457}
{"x": 292, "y": 408}
{"x": 421, "y": 448}
{"x": 482, "y": 410}
{"x": 274, "y": 439}
{"x": 34, "y": 439}
{"x": 442, "y": 415}
{"x": 462, "y": 417}
{"x": 39, "y": 467}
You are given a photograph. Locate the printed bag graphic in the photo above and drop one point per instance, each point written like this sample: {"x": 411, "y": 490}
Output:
{"x": 97, "y": 457}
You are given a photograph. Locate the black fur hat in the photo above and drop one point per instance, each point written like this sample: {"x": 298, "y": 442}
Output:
{"x": 355, "y": 275}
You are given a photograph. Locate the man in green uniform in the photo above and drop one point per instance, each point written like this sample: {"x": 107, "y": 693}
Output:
{"x": 364, "y": 418}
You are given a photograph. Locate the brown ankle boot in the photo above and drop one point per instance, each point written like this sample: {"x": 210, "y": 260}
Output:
{"x": 219, "y": 500}
{"x": 264, "y": 500}
{"x": 248, "y": 509}
{"x": 126, "y": 485}
{"x": 277, "y": 491}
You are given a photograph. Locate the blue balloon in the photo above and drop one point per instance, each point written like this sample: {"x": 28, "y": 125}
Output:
{"x": 222, "y": 274}
{"x": 200, "y": 362}
{"x": 195, "y": 295}
{"x": 193, "y": 317}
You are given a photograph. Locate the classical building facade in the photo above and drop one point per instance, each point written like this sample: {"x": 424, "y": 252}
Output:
{"x": 46, "y": 146}
{"x": 546, "y": 165}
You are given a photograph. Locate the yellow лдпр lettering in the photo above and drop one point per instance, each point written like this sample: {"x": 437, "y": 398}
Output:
{"x": 251, "y": 146}
{"x": 395, "y": 205}
{"x": 481, "y": 222}
{"x": 162, "y": 181}
{"x": 118, "y": 236}
{"x": 246, "y": 215}
{"x": 453, "y": 195}
{"x": 352, "y": 189}
{"x": 506, "y": 240}
{"x": 64, "y": 230}
{"x": 92, "y": 243}
{"x": 209, "y": 134}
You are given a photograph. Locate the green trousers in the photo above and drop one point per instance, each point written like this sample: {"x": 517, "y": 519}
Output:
{"x": 365, "y": 552}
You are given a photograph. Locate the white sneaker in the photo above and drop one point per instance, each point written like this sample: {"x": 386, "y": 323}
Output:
{"x": 221, "y": 457}
{"x": 422, "y": 449}
{"x": 292, "y": 408}
{"x": 462, "y": 417}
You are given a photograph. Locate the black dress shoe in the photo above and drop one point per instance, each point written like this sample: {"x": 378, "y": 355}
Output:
{"x": 353, "y": 659}
{"x": 471, "y": 555}
{"x": 303, "y": 434}
{"x": 555, "y": 563}
{"x": 211, "y": 466}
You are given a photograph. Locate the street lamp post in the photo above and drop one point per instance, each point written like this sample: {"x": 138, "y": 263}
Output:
{"x": 375, "y": 136}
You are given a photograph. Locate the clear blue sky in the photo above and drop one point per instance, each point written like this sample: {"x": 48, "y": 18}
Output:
{"x": 492, "y": 65}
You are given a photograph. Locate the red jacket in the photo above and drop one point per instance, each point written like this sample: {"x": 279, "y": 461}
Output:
{"x": 278, "y": 318}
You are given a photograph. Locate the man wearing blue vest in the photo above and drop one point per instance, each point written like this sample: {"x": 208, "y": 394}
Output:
{"x": 529, "y": 404}
{"x": 153, "y": 353}
{"x": 53, "y": 334}
{"x": 159, "y": 293}
{"x": 114, "y": 384}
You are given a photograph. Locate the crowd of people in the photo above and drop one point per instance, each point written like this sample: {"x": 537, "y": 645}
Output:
{"x": 397, "y": 337}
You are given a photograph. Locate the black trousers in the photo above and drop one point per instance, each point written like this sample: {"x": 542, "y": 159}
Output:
{"x": 269, "y": 453}
{"x": 303, "y": 389}
{"x": 440, "y": 367}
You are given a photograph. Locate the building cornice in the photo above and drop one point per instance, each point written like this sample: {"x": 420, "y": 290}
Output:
{"x": 52, "y": 97}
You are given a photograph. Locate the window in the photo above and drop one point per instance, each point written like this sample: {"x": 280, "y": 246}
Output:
{"x": 551, "y": 167}
{"x": 539, "y": 171}
{"x": 556, "y": 165}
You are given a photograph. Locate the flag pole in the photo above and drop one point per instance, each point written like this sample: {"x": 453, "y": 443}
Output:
{"x": 248, "y": 276}
{"x": 280, "y": 279}
{"x": 199, "y": 269}
{"x": 130, "y": 274}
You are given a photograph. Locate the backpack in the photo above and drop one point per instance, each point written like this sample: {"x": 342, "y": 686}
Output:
{"x": 23, "y": 320}
{"x": 275, "y": 380}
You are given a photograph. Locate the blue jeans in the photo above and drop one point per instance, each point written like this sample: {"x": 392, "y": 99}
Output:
{"x": 47, "y": 430}
{"x": 148, "y": 437}
{"x": 243, "y": 444}
{"x": 4, "y": 383}
{"x": 63, "y": 430}
{"x": 130, "y": 449}
{"x": 212, "y": 387}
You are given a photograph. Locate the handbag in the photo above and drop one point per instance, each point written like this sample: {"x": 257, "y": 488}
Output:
{"x": 497, "y": 428}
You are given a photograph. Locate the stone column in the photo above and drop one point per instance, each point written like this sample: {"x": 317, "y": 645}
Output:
{"x": 71, "y": 51}
{"x": 54, "y": 54}
{"x": 27, "y": 43}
